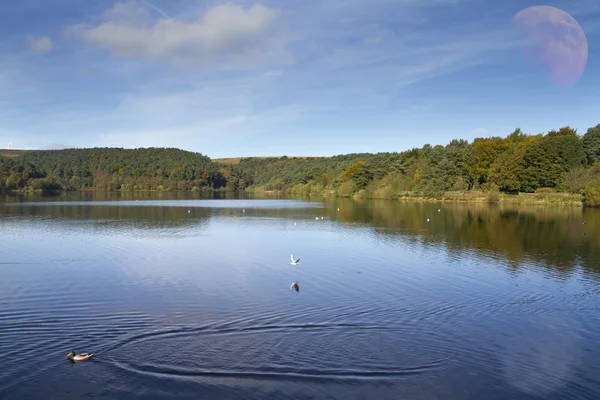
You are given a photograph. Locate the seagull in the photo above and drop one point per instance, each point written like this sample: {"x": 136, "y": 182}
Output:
{"x": 316, "y": 218}
{"x": 189, "y": 211}
{"x": 338, "y": 209}
{"x": 294, "y": 224}
{"x": 439, "y": 210}
{"x": 321, "y": 218}
{"x": 294, "y": 262}
{"x": 294, "y": 286}
{"x": 427, "y": 219}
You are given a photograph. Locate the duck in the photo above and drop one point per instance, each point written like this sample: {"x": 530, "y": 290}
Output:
{"x": 295, "y": 286}
{"x": 79, "y": 356}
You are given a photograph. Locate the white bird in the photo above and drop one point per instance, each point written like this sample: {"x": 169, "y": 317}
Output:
{"x": 338, "y": 209}
{"x": 439, "y": 210}
{"x": 321, "y": 218}
{"x": 189, "y": 211}
{"x": 295, "y": 286}
{"x": 427, "y": 219}
{"x": 316, "y": 218}
{"x": 294, "y": 224}
{"x": 294, "y": 262}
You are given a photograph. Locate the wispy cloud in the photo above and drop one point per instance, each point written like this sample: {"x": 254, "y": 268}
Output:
{"x": 40, "y": 44}
{"x": 267, "y": 70}
{"x": 155, "y": 8}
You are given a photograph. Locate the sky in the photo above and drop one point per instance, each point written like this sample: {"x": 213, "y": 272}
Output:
{"x": 293, "y": 77}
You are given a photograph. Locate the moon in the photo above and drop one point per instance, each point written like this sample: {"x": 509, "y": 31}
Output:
{"x": 560, "y": 44}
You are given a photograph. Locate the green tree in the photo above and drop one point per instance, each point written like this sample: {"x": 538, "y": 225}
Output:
{"x": 591, "y": 144}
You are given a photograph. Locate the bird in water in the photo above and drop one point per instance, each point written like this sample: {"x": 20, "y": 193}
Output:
{"x": 294, "y": 261}
{"x": 295, "y": 286}
{"x": 79, "y": 356}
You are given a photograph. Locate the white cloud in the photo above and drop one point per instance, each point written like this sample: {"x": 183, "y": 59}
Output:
{"x": 41, "y": 44}
{"x": 224, "y": 33}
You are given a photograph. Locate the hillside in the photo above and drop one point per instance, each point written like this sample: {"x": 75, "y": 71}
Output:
{"x": 237, "y": 160}
{"x": 12, "y": 152}
{"x": 559, "y": 161}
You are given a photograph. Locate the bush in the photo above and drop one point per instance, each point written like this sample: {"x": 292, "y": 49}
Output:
{"x": 591, "y": 194}
{"x": 575, "y": 180}
{"x": 460, "y": 184}
{"x": 493, "y": 195}
{"x": 345, "y": 189}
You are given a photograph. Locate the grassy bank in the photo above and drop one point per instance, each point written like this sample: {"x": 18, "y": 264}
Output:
{"x": 542, "y": 197}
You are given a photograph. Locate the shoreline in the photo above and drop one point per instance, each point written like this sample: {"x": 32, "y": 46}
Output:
{"x": 544, "y": 199}
{"x": 562, "y": 199}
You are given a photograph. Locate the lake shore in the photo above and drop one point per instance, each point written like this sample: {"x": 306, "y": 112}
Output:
{"x": 560, "y": 199}
{"x": 563, "y": 199}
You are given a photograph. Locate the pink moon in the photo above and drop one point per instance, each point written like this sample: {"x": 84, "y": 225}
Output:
{"x": 560, "y": 43}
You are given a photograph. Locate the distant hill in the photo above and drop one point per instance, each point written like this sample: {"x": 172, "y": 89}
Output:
{"x": 12, "y": 152}
{"x": 236, "y": 160}
{"x": 559, "y": 161}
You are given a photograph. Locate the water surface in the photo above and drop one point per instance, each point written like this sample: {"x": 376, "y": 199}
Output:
{"x": 189, "y": 298}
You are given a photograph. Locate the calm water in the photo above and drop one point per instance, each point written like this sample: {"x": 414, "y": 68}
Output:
{"x": 182, "y": 298}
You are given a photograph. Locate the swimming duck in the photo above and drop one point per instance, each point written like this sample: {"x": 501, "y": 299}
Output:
{"x": 79, "y": 356}
{"x": 295, "y": 286}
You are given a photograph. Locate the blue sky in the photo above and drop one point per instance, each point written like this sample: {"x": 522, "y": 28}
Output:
{"x": 274, "y": 77}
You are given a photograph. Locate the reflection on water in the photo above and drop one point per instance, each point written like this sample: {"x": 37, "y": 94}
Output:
{"x": 184, "y": 297}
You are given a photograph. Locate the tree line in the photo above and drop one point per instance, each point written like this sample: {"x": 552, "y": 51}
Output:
{"x": 560, "y": 160}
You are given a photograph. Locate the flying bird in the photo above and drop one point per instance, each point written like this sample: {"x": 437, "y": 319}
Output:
{"x": 294, "y": 262}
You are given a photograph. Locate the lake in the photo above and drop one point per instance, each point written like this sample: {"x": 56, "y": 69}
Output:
{"x": 180, "y": 297}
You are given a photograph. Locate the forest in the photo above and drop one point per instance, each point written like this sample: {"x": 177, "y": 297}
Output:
{"x": 560, "y": 161}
